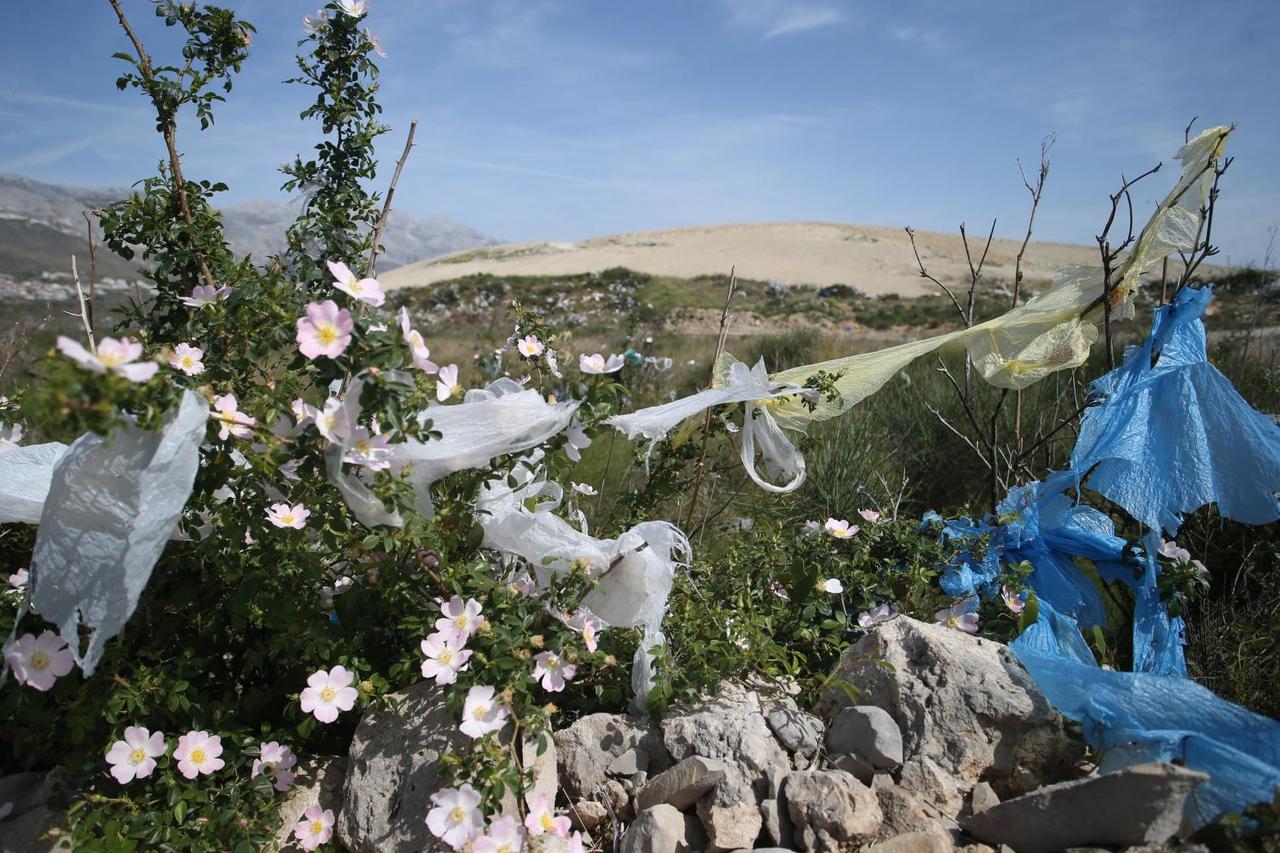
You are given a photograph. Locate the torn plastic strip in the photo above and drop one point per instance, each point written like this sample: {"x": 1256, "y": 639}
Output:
{"x": 113, "y": 504}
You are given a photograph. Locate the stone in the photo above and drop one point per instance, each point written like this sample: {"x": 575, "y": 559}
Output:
{"x": 587, "y": 749}
{"x": 904, "y": 813}
{"x": 774, "y": 777}
{"x": 588, "y": 815}
{"x": 681, "y": 786}
{"x": 617, "y": 798}
{"x": 27, "y": 790}
{"x": 629, "y": 763}
{"x": 663, "y": 829}
{"x": 966, "y": 708}
{"x": 914, "y": 842}
{"x": 777, "y": 823}
{"x": 797, "y": 731}
{"x": 393, "y": 768}
{"x": 318, "y": 782}
{"x": 982, "y": 798}
{"x": 1139, "y": 805}
{"x": 38, "y": 829}
{"x": 729, "y": 727}
{"x": 730, "y": 814}
{"x": 857, "y": 766}
{"x": 868, "y": 732}
{"x": 830, "y": 810}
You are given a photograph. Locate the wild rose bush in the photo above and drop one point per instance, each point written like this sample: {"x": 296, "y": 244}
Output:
{"x": 275, "y": 616}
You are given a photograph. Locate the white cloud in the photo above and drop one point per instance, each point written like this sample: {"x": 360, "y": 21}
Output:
{"x": 773, "y": 18}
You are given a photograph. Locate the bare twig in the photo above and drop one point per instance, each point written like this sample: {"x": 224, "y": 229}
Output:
{"x": 93, "y": 266}
{"x": 170, "y": 135}
{"x": 924, "y": 273}
{"x": 706, "y": 424}
{"x": 1036, "y": 191}
{"x": 84, "y": 312}
{"x": 391, "y": 191}
{"x": 1110, "y": 253}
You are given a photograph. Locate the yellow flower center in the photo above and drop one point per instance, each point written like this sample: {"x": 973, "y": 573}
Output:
{"x": 112, "y": 359}
{"x": 269, "y": 767}
{"x": 457, "y": 815}
{"x": 199, "y": 756}
{"x": 355, "y": 285}
{"x": 480, "y": 712}
{"x": 317, "y": 827}
{"x": 286, "y": 518}
{"x": 953, "y": 621}
{"x": 137, "y": 756}
{"x": 328, "y": 694}
{"x": 364, "y": 447}
{"x": 40, "y": 660}
{"x": 326, "y": 333}
{"x": 547, "y": 823}
{"x": 553, "y": 663}
{"x": 188, "y": 361}
{"x": 461, "y": 622}
{"x": 445, "y": 656}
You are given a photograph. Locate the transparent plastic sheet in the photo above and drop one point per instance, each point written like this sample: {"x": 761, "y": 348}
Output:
{"x": 633, "y": 573}
{"x": 25, "y": 476}
{"x": 1172, "y": 435}
{"x": 734, "y": 383}
{"x": 501, "y": 419}
{"x": 112, "y": 505}
{"x": 1137, "y": 716}
{"x": 1051, "y": 332}
{"x": 366, "y": 506}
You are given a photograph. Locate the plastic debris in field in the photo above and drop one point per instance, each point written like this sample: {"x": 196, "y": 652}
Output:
{"x": 500, "y": 419}
{"x": 734, "y": 383}
{"x": 1172, "y": 434}
{"x": 111, "y": 506}
{"x": 633, "y": 572}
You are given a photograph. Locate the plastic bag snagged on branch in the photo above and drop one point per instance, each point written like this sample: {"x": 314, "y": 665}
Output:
{"x": 633, "y": 573}
{"x": 25, "y": 476}
{"x": 495, "y": 421}
{"x": 734, "y": 383}
{"x": 111, "y": 506}
{"x": 1051, "y": 332}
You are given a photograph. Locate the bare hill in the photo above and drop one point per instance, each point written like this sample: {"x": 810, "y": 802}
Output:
{"x": 873, "y": 259}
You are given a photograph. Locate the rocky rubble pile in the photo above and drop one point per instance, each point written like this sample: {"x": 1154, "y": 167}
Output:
{"x": 950, "y": 746}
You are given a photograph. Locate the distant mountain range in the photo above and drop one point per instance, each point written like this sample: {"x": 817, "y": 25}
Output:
{"x": 41, "y": 226}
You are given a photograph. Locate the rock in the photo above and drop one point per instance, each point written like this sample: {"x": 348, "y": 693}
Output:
{"x": 777, "y": 823}
{"x": 914, "y": 842}
{"x": 38, "y": 829}
{"x": 630, "y": 763}
{"x": 31, "y": 815}
{"x": 730, "y": 814}
{"x": 1139, "y": 805}
{"x": 905, "y": 813}
{"x": 867, "y": 732}
{"x": 682, "y": 785}
{"x": 663, "y": 829}
{"x": 797, "y": 731}
{"x": 318, "y": 782}
{"x": 830, "y": 810}
{"x": 774, "y": 777}
{"x": 616, "y": 797}
{"x": 729, "y": 727}
{"x": 587, "y": 750}
{"x": 966, "y": 709}
{"x": 588, "y": 815}
{"x": 543, "y": 765}
{"x": 982, "y": 798}
{"x": 393, "y": 769}
{"x": 857, "y": 766}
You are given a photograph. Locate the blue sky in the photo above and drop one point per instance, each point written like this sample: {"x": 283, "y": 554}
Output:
{"x": 564, "y": 119}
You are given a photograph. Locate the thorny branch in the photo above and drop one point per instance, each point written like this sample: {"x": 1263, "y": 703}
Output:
{"x": 386, "y": 206}
{"x": 170, "y": 135}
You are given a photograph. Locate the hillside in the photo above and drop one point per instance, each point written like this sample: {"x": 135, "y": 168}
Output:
{"x": 876, "y": 260}
{"x": 41, "y": 225}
